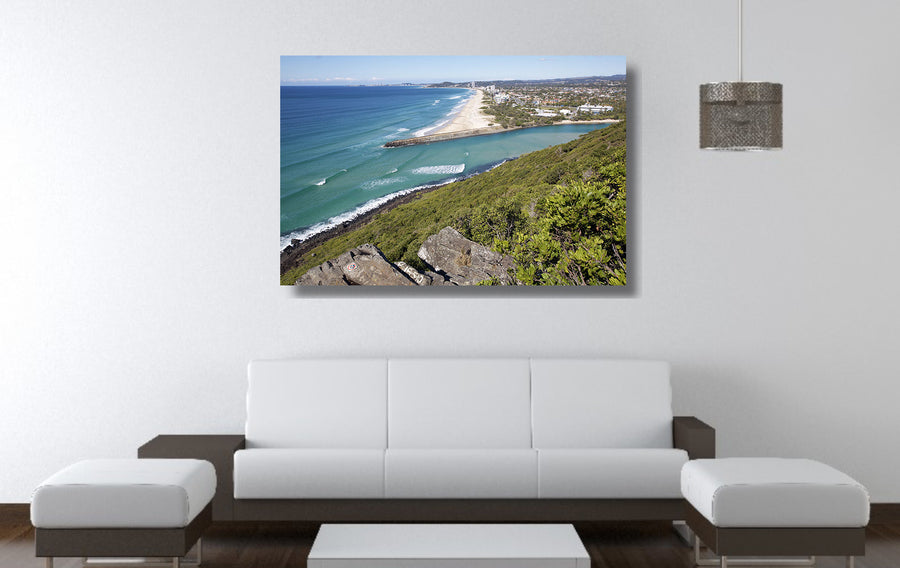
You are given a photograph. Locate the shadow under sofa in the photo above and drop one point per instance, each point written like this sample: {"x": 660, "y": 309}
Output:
{"x": 453, "y": 440}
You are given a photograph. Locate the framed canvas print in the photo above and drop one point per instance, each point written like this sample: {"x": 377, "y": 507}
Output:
{"x": 453, "y": 171}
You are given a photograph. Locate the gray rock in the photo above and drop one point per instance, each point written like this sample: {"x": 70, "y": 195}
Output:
{"x": 440, "y": 279}
{"x": 415, "y": 275}
{"x": 465, "y": 262}
{"x": 326, "y": 274}
{"x": 363, "y": 266}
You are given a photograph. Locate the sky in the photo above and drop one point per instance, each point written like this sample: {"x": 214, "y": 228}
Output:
{"x": 377, "y": 70}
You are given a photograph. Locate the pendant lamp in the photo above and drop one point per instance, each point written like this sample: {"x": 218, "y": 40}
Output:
{"x": 740, "y": 115}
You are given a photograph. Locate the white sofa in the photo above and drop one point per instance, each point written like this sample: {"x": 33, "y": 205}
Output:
{"x": 462, "y": 439}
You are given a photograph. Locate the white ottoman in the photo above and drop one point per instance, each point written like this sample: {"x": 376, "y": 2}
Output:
{"x": 123, "y": 507}
{"x": 774, "y": 506}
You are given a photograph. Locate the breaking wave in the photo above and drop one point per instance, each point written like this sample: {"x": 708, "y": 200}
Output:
{"x": 304, "y": 234}
{"x": 430, "y": 129}
{"x": 373, "y": 183}
{"x": 447, "y": 169}
{"x": 323, "y": 181}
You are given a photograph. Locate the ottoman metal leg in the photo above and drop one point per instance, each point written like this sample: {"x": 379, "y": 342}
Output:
{"x": 48, "y": 562}
{"x": 177, "y": 561}
{"x": 723, "y": 560}
{"x": 850, "y": 561}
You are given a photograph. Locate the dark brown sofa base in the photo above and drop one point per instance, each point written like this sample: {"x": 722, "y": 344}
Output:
{"x": 121, "y": 542}
{"x": 770, "y": 541}
{"x": 458, "y": 510}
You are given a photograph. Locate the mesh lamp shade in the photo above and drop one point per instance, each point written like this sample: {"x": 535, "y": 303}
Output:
{"x": 740, "y": 116}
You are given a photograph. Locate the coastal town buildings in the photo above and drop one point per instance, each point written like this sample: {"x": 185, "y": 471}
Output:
{"x": 595, "y": 109}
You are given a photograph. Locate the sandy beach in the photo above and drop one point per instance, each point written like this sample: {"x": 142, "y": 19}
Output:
{"x": 469, "y": 118}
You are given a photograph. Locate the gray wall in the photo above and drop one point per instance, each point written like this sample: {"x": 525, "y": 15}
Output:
{"x": 139, "y": 159}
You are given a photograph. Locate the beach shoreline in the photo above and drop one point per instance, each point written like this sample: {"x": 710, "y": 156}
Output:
{"x": 469, "y": 117}
{"x": 292, "y": 255}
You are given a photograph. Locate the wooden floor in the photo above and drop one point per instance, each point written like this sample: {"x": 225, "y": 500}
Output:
{"x": 638, "y": 545}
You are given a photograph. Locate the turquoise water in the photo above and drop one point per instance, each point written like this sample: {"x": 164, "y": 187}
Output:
{"x": 334, "y": 165}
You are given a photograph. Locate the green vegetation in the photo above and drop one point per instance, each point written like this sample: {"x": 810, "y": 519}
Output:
{"x": 509, "y": 115}
{"x": 560, "y": 212}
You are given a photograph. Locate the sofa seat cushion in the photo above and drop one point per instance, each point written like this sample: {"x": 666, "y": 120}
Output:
{"x": 461, "y": 474}
{"x": 290, "y": 473}
{"x": 774, "y": 492}
{"x": 124, "y": 493}
{"x": 611, "y": 473}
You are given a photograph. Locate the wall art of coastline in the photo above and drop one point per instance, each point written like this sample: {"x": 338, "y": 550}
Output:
{"x": 453, "y": 171}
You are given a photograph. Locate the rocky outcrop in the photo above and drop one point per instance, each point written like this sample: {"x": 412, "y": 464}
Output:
{"x": 456, "y": 261}
{"x": 326, "y": 274}
{"x": 363, "y": 266}
{"x": 465, "y": 262}
{"x": 419, "y": 278}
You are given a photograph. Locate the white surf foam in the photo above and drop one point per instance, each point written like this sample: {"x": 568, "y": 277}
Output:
{"x": 323, "y": 181}
{"x": 456, "y": 110}
{"x": 373, "y": 183}
{"x": 446, "y": 169}
{"x": 304, "y": 234}
{"x": 430, "y": 129}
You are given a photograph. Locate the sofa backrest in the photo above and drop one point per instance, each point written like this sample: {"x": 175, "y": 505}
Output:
{"x": 317, "y": 403}
{"x": 459, "y": 403}
{"x": 598, "y": 403}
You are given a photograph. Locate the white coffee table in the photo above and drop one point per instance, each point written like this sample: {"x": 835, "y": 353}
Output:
{"x": 447, "y": 546}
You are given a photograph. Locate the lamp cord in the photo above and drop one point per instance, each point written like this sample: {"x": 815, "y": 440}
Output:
{"x": 741, "y": 41}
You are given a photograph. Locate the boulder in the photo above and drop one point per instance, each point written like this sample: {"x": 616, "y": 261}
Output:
{"x": 415, "y": 275}
{"x": 440, "y": 279}
{"x": 364, "y": 266}
{"x": 465, "y": 262}
{"x": 326, "y": 274}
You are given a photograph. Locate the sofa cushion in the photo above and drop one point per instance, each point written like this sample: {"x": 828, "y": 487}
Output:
{"x": 459, "y": 403}
{"x": 451, "y": 474}
{"x": 324, "y": 403}
{"x": 611, "y": 473}
{"x": 316, "y": 474}
{"x": 774, "y": 492}
{"x": 593, "y": 403}
{"x": 124, "y": 493}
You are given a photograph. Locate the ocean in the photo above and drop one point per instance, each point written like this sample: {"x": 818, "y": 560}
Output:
{"x": 334, "y": 165}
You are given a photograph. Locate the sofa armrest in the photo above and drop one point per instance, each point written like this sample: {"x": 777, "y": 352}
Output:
{"x": 217, "y": 449}
{"x": 694, "y": 436}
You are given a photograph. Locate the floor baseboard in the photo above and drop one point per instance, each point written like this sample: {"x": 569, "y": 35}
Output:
{"x": 884, "y": 513}
{"x": 15, "y": 514}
